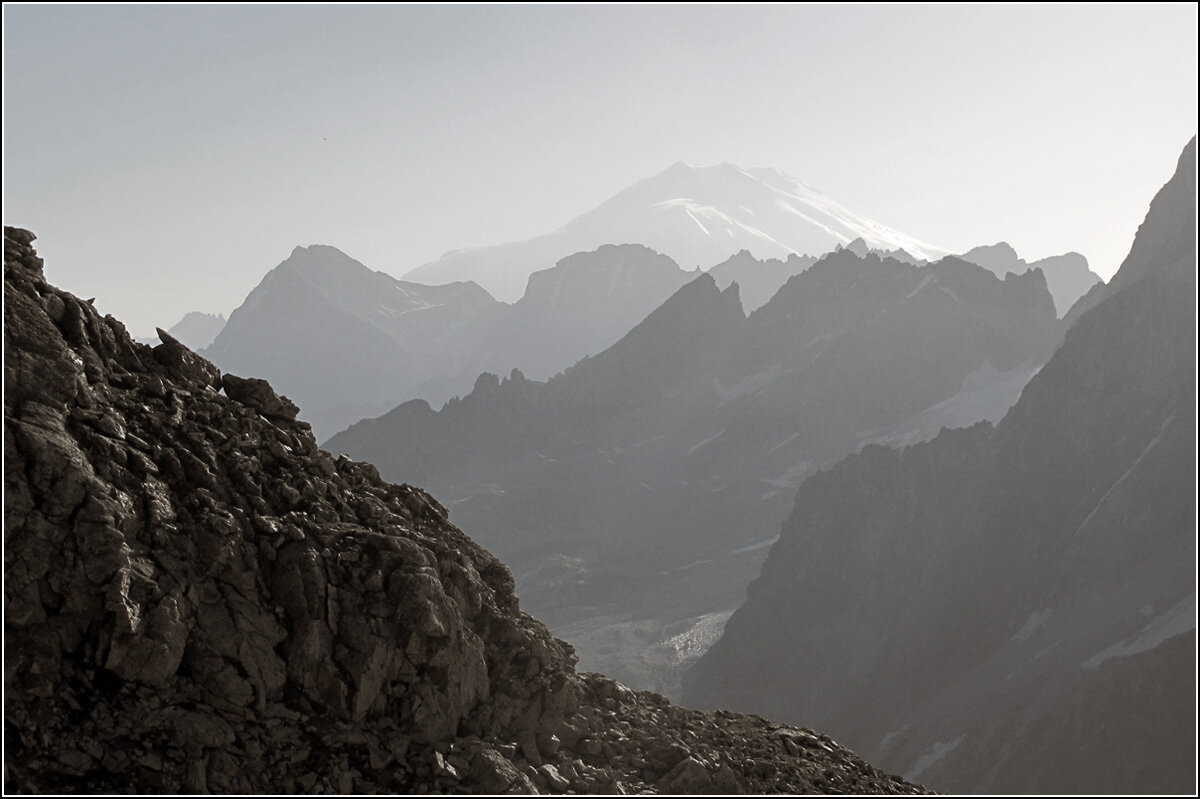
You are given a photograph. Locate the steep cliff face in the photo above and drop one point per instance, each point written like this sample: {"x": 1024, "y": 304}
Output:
{"x": 199, "y": 599}
{"x": 995, "y": 609}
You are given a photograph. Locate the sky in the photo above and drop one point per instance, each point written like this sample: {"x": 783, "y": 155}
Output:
{"x": 168, "y": 156}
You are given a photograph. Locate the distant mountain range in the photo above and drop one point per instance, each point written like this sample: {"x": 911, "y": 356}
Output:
{"x": 698, "y": 216}
{"x": 1067, "y": 276}
{"x": 635, "y": 494}
{"x": 196, "y": 330}
{"x": 1009, "y": 609}
{"x": 346, "y": 342}
{"x": 343, "y": 340}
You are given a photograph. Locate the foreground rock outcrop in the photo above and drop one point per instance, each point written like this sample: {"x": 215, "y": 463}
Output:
{"x": 198, "y": 599}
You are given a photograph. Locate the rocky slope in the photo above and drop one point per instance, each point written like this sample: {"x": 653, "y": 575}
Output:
{"x": 635, "y": 495}
{"x": 198, "y": 599}
{"x": 1009, "y": 609}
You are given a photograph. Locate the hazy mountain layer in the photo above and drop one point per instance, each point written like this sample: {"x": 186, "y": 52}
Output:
{"x": 636, "y": 493}
{"x": 582, "y": 306}
{"x": 1008, "y": 610}
{"x": 345, "y": 342}
{"x": 341, "y": 339}
{"x": 199, "y": 600}
{"x": 758, "y": 280}
{"x": 698, "y": 216}
{"x": 1067, "y": 276}
{"x": 197, "y": 330}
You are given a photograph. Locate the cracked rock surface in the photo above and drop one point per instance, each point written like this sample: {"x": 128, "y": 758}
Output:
{"x": 199, "y": 599}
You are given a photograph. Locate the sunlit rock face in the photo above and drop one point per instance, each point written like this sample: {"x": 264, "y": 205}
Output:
{"x": 198, "y": 599}
{"x": 1008, "y": 609}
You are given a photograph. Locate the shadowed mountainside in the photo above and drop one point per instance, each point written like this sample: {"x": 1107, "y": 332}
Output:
{"x": 1009, "y": 610}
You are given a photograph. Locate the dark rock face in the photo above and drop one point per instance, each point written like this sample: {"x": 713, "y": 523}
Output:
{"x": 257, "y": 393}
{"x": 198, "y": 599}
{"x": 1008, "y": 609}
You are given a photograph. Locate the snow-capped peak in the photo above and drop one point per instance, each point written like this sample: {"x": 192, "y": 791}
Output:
{"x": 699, "y": 216}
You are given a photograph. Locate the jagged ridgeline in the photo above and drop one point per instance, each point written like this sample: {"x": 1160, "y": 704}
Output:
{"x": 199, "y": 599}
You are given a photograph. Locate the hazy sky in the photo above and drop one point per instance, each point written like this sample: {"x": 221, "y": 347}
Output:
{"x": 168, "y": 156}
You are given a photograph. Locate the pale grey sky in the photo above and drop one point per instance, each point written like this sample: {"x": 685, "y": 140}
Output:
{"x": 168, "y": 156}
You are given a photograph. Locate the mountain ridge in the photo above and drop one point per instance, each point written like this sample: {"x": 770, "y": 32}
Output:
{"x": 698, "y": 216}
{"x": 645, "y": 479}
{"x": 975, "y": 586}
{"x": 1067, "y": 275}
{"x": 347, "y": 342}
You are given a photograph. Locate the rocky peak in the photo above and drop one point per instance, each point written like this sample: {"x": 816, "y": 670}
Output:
{"x": 318, "y": 258}
{"x": 1067, "y": 276}
{"x": 1168, "y": 233}
{"x": 613, "y": 273}
{"x": 199, "y": 599}
{"x": 999, "y": 257}
{"x": 858, "y": 247}
{"x": 196, "y": 329}
{"x": 758, "y": 279}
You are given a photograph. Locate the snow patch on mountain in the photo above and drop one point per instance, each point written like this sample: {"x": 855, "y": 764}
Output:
{"x": 1176, "y": 621}
{"x": 1137, "y": 461}
{"x": 987, "y": 394}
{"x": 939, "y": 751}
{"x": 1032, "y": 624}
